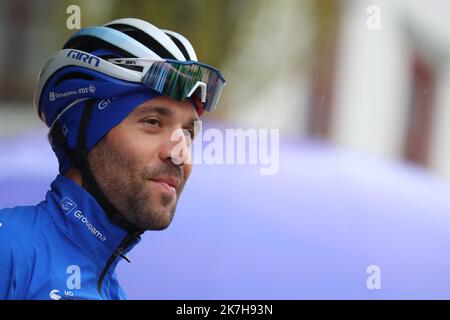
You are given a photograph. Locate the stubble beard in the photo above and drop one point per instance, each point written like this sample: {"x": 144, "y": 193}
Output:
{"x": 127, "y": 187}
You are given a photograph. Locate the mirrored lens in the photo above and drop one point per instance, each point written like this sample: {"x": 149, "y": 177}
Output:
{"x": 176, "y": 79}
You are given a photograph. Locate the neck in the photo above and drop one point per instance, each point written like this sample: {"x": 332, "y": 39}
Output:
{"x": 75, "y": 175}
{"x": 114, "y": 216}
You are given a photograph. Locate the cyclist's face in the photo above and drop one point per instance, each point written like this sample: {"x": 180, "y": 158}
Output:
{"x": 144, "y": 162}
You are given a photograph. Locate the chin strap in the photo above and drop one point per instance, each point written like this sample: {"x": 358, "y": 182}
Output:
{"x": 79, "y": 159}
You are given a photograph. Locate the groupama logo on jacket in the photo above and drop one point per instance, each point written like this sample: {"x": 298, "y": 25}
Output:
{"x": 67, "y": 205}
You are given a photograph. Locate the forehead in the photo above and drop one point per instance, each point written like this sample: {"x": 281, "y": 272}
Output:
{"x": 167, "y": 107}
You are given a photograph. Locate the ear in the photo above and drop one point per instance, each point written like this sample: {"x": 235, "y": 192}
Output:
{"x": 198, "y": 105}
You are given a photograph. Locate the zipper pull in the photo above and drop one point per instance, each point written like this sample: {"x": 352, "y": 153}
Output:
{"x": 119, "y": 252}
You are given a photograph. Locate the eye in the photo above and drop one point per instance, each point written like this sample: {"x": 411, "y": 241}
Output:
{"x": 189, "y": 133}
{"x": 153, "y": 122}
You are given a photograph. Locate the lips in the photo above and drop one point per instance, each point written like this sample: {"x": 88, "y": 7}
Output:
{"x": 173, "y": 182}
{"x": 168, "y": 183}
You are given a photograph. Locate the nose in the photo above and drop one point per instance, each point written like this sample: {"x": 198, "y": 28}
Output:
{"x": 177, "y": 148}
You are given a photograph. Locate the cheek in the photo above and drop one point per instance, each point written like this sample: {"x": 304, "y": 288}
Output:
{"x": 146, "y": 151}
{"x": 133, "y": 146}
{"x": 187, "y": 171}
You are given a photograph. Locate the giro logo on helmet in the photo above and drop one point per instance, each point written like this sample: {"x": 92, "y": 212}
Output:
{"x": 83, "y": 56}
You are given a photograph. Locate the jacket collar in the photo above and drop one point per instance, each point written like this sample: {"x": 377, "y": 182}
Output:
{"x": 78, "y": 215}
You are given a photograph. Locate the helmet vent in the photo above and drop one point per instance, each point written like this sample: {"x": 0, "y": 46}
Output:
{"x": 180, "y": 46}
{"x": 90, "y": 44}
{"x": 145, "y": 39}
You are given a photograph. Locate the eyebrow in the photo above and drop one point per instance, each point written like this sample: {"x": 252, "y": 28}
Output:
{"x": 162, "y": 111}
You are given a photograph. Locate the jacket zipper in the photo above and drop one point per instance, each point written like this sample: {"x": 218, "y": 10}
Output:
{"x": 127, "y": 241}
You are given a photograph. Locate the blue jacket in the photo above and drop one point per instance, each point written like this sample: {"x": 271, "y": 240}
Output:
{"x": 63, "y": 248}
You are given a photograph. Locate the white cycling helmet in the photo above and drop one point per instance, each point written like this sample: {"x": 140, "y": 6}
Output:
{"x": 118, "y": 58}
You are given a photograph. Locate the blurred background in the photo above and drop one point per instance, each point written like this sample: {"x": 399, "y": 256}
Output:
{"x": 359, "y": 92}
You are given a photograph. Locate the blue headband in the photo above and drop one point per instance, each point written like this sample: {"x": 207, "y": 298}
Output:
{"x": 107, "y": 114}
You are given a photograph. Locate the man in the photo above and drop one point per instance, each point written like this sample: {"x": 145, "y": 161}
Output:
{"x": 121, "y": 101}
